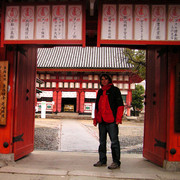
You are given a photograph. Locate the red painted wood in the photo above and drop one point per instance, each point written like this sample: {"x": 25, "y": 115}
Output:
{"x": 82, "y": 97}
{"x": 99, "y": 25}
{"x": 25, "y": 102}
{"x": 59, "y": 101}
{"x": 173, "y": 138}
{"x": 128, "y": 102}
{"x": 139, "y": 42}
{"x": 84, "y": 24}
{"x": 156, "y": 115}
{"x": 2, "y": 26}
{"x": 66, "y": 89}
{"x": 64, "y": 42}
{"x": 6, "y": 132}
{"x": 77, "y": 102}
{"x": 2, "y": 54}
{"x": 55, "y": 101}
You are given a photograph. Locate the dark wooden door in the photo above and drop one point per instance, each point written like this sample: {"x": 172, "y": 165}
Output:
{"x": 155, "y": 125}
{"x": 23, "y": 135}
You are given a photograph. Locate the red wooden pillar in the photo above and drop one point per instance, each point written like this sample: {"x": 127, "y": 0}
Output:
{"x": 82, "y": 97}
{"x": 77, "y": 102}
{"x": 128, "y": 102}
{"x": 55, "y": 101}
{"x": 35, "y": 101}
{"x": 59, "y": 103}
{"x": 173, "y": 126}
{"x": 6, "y": 131}
{"x": 2, "y": 54}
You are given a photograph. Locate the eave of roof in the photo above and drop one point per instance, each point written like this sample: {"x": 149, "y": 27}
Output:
{"x": 82, "y": 70}
{"x": 82, "y": 58}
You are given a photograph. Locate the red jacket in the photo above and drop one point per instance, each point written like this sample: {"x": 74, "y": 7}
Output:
{"x": 109, "y": 105}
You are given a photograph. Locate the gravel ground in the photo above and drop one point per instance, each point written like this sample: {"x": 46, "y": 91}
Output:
{"x": 130, "y": 136}
{"x": 46, "y": 138}
{"x": 47, "y": 135}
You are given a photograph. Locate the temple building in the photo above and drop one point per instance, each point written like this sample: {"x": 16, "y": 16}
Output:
{"x": 71, "y": 77}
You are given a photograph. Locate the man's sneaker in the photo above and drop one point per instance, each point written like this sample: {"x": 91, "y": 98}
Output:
{"x": 114, "y": 166}
{"x": 99, "y": 164}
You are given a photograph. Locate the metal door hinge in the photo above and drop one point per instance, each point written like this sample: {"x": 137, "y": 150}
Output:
{"x": 160, "y": 143}
{"x": 18, "y": 138}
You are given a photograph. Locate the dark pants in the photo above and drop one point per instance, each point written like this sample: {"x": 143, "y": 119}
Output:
{"x": 112, "y": 130}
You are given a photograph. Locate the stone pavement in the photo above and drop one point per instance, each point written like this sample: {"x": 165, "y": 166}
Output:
{"x": 49, "y": 165}
{"x": 75, "y": 137}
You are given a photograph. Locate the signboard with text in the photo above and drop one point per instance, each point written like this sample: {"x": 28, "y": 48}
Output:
{"x": 12, "y": 23}
{"x": 139, "y": 24}
{"x": 3, "y": 91}
{"x": 125, "y": 22}
{"x": 58, "y": 22}
{"x": 44, "y": 24}
{"x": 75, "y": 22}
{"x": 27, "y": 23}
{"x": 109, "y": 22}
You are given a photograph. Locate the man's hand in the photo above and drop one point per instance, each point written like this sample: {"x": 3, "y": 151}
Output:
{"x": 94, "y": 123}
{"x": 118, "y": 123}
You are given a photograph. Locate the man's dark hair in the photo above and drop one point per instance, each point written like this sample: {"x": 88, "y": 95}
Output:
{"x": 105, "y": 76}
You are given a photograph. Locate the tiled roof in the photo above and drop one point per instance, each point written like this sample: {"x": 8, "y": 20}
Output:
{"x": 79, "y": 57}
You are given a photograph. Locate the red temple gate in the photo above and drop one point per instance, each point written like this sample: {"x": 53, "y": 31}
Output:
{"x": 162, "y": 125}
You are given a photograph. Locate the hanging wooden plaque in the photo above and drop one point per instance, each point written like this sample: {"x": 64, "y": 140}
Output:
{"x": 3, "y": 91}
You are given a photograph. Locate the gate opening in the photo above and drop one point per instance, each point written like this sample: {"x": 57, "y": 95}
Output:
{"x": 76, "y": 94}
{"x": 68, "y": 105}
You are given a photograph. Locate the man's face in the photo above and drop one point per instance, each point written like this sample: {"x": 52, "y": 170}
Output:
{"x": 104, "y": 81}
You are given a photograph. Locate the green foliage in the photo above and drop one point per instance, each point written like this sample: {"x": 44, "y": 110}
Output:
{"x": 137, "y": 98}
{"x": 138, "y": 59}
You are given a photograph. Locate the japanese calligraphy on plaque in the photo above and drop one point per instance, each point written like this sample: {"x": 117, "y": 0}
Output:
{"x": 141, "y": 22}
{"x": 27, "y": 23}
{"x": 174, "y": 22}
{"x": 109, "y": 22}
{"x": 158, "y": 22}
{"x": 3, "y": 91}
{"x": 58, "y": 22}
{"x": 75, "y": 22}
{"x": 12, "y": 23}
{"x": 35, "y": 23}
{"x": 125, "y": 21}
{"x": 42, "y": 22}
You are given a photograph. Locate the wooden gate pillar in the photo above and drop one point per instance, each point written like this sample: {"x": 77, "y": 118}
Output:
{"x": 173, "y": 110}
{"x": 6, "y": 131}
{"x": 161, "y": 131}
{"x": 17, "y": 136}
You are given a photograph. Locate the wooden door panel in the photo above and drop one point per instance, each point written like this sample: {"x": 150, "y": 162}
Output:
{"x": 156, "y": 114}
{"x": 25, "y": 104}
